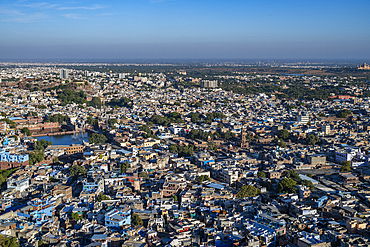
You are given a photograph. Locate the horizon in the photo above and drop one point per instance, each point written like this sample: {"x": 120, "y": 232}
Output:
{"x": 185, "y": 30}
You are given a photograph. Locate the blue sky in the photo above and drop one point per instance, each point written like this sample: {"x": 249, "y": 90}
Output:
{"x": 185, "y": 29}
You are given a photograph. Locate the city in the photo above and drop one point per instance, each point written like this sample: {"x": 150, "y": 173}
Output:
{"x": 130, "y": 158}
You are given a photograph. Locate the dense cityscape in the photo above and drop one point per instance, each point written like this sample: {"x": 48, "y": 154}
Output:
{"x": 99, "y": 154}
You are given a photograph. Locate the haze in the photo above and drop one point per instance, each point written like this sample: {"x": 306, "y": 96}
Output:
{"x": 184, "y": 29}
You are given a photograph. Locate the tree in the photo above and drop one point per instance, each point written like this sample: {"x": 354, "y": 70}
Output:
{"x": 40, "y": 243}
{"x": 309, "y": 184}
{"x": 292, "y": 174}
{"x": 97, "y": 138}
{"x": 90, "y": 120}
{"x": 76, "y": 216}
{"x": 344, "y": 113}
{"x": 102, "y": 197}
{"x": 8, "y": 241}
{"x": 280, "y": 142}
{"x": 247, "y": 191}
{"x": 346, "y": 166}
{"x": 287, "y": 185}
{"x": 283, "y": 134}
{"x": 212, "y": 146}
{"x": 42, "y": 144}
{"x": 182, "y": 151}
{"x": 144, "y": 175}
{"x": 312, "y": 139}
{"x": 57, "y": 118}
{"x": 174, "y": 197}
{"x": 37, "y": 156}
{"x": 96, "y": 102}
{"x": 173, "y": 148}
{"x": 261, "y": 174}
{"x": 123, "y": 166}
{"x": 112, "y": 122}
{"x": 135, "y": 220}
{"x": 203, "y": 178}
{"x": 77, "y": 171}
{"x": 26, "y": 131}
{"x": 195, "y": 117}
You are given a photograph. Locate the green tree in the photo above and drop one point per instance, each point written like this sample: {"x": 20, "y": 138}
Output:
{"x": 280, "y": 142}
{"x": 173, "y": 148}
{"x": 76, "y": 216}
{"x": 40, "y": 243}
{"x": 112, "y": 122}
{"x": 90, "y": 120}
{"x": 261, "y": 174}
{"x": 346, "y": 166}
{"x": 77, "y": 171}
{"x": 287, "y": 185}
{"x": 96, "y": 102}
{"x": 292, "y": 174}
{"x": 284, "y": 134}
{"x": 203, "y": 178}
{"x": 36, "y": 157}
{"x": 309, "y": 184}
{"x": 41, "y": 106}
{"x": 57, "y": 118}
{"x": 8, "y": 241}
{"x": 174, "y": 197}
{"x": 42, "y": 144}
{"x": 26, "y": 131}
{"x": 247, "y": 191}
{"x": 97, "y": 138}
{"x": 144, "y": 175}
{"x": 344, "y": 113}
{"x": 182, "y": 151}
{"x": 312, "y": 139}
{"x": 136, "y": 220}
{"x": 123, "y": 166}
{"x": 102, "y": 197}
{"x": 195, "y": 117}
{"x": 212, "y": 146}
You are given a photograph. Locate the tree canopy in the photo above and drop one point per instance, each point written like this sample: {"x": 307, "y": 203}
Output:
{"x": 97, "y": 138}
{"x": 136, "y": 220}
{"x": 77, "y": 171}
{"x": 287, "y": 185}
{"x": 182, "y": 151}
{"x": 346, "y": 166}
{"x": 248, "y": 191}
{"x": 26, "y": 131}
{"x": 312, "y": 139}
{"x": 57, "y": 118}
{"x": 284, "y": 134}
{"x": 203, "y": 178}
{"x": 37, "y": 156}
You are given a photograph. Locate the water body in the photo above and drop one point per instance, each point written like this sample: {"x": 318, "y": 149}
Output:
{"x": 78, "y": 138}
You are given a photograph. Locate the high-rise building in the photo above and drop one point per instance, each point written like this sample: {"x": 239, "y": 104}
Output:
{"x": 64, "y": 74}
{"x": 303, "y": 118}
{"x": 208, "y": 83}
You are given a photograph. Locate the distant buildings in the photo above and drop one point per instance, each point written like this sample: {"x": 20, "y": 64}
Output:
{"x": 363, "y": 66}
